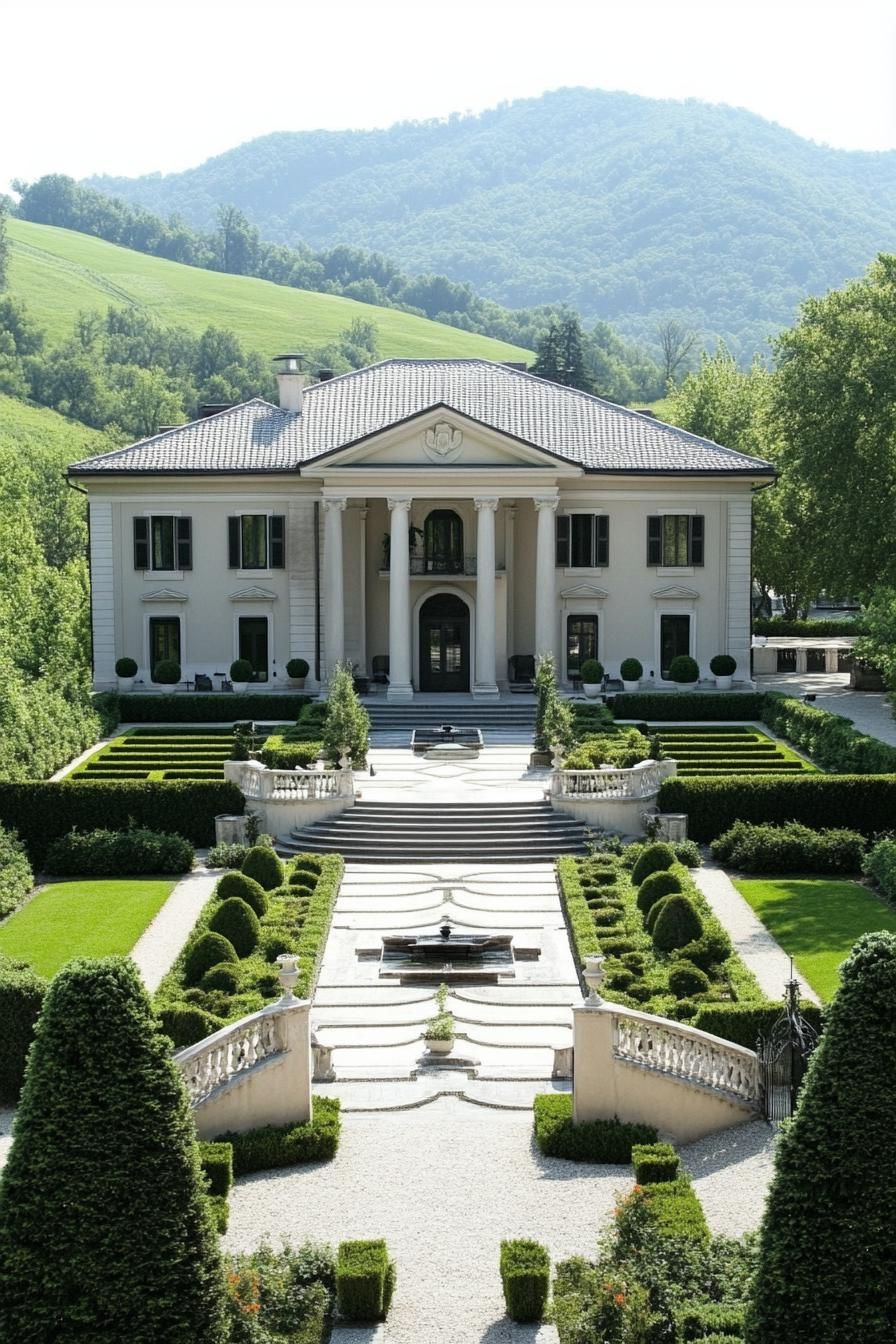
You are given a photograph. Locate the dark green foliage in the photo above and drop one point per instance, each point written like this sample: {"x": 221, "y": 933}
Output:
{"x": 525, "y": 1278}
{"x": 597, "y": 1141}
{"x": 186, "y": 1023}
{"x": 365, "y": 1280}
{"x": 723, "y": 665}
{"x": 16, "y": 877}
{"x": 831, "y": 740}
{"x": 865, "y": 803}
{"x": 21, "y": 999}
{"x": 744, "y": 1023}
{"x": 288, "y": 1145}
{"x": 654, "y": 913}
{"x": 228, "y": 855}
{"x": 718, "y": 706}
{"x": 791, "y": 848}
{"x": 710, "y": 950}
{"x": 710, "y": 1321}
{"x": 214, "y": 708}
{"x": 278, "y": 753}
{"x": 347, "y": 724}
{"x": 207, "y": 950}
{"x": 686, "y": 980}
{"x": 238, "y": 923}
{"x": 678, "y": 1211}
{"x": 220, "y": 1212}
{"x": 119, "y": 853}
{"x": 677, "y": 924}
{"x": 244, "y": 887}
{"x": 293, "y": 1288}
{"x": 880, "y": 866}
{"x": 653, "y": 859}
{"x": 263, "y": 866}
{"x": 41, "y": 812}
{"x": 654, "y": 1162}
{"x": 622, "y": 747}
{"x": 105, "y": 1232}
{"x": 827, "y": 1256}
{"x": 216, "y": 1160}
{"x": 813, "y": 629}
{"x": 684, "y": 668}
{"x": 225, "y": 976}
{"x": 42, "y": 726}
{"x": 661, "y": 883}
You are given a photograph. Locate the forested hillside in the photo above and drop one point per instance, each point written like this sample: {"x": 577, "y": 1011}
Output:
{"x": 629, "y": 209}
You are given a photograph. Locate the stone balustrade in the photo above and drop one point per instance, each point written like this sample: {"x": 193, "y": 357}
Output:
{"x": 641, "y": 781}
{"x": 262, "y": 785}
{"x": 683, "y": 1052}
{"x": 214, "y": 1061}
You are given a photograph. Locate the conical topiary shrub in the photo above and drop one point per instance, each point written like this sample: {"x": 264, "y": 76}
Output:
{"x": 678, "y": 923}
{"x": 827, "y": 1253}
{"x": 238, "y": 923}
{"x": 263, "y": 866}
{"x": 105, "y": 1233}
{"x": 246, "y": 888}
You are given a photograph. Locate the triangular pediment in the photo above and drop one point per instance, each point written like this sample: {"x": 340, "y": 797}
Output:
{"x": 441, "y": 439}
{"x": 163, "y": 595}
{"x": 675, "y": 592}
{"x": 589, "y": 590}
{"x": 254, "y": 593}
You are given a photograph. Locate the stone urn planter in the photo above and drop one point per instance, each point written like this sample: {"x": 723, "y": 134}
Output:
{"x": 722, "y": 667}
{"x": 241, "y": 675}
{"x": 125, "y": 671}
{"x": 685, "y": 672}
{"x": 296, "y": 671}
{"x": 592, "y": 675}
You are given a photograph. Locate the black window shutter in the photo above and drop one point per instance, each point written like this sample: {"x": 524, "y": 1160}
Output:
{"x": 184, "y": 528}
{"x": 277, "y": 540}
{"x": 233, "y": 541}
{"x": 696, "y": 547}
{"x": 654, "y": 541}
{"x": 563, "y": 540}
{"x": 602, "y": 540}
{"x": 141, "y": 543}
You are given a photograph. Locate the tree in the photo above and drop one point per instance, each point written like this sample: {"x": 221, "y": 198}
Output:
{"x": 238, "y": 241}
{"x": 347, "y": 725}
{"x": 676, "y": 346}
{"x": 560, "y": 355}
{"x": 554, "y": 724}
{"x": 105, "y": 1234}
{"x": 827, "y": 1255}
{"x": 878, "y": 646}
{"x": 4, "y": 247}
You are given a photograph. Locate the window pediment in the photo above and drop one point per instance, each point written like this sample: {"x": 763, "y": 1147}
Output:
{"x": 254, "y": 593}
{"x": 164, "y": 595}
{"x": 579, "y": 590}
{"x": 676, "y": 592}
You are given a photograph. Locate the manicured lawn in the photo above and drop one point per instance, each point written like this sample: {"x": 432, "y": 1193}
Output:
{"x": 816, "y": 920}
{"x": 90, "y": 918}
{"x": 161, "y": 753}
{"x": 732, "y": 749}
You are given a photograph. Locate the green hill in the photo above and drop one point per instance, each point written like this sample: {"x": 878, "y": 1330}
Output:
{"x": 628, "y": 208}
{"x": 60, "y": 273}
{"x": 34, "y": 432}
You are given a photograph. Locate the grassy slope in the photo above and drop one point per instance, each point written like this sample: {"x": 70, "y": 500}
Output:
{"x": 816, "y": 920}
{"x": 93, "y": 918}
{"x": 60, "y": 273}
{"x": 46, "y": 432}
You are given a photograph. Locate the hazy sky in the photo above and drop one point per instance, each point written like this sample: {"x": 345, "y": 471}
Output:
{"x": 131, "y": 87}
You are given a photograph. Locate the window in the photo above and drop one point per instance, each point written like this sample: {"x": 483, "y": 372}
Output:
{"x": 675, "y": 540}
{"x": 443, "y": 542}
{"x": 581, "y": 642}
{"x": 163, "y": 542}
{"x": 164, "y": 641}
{"x": 583, "y": 540}
{"x": 257, "y": 541}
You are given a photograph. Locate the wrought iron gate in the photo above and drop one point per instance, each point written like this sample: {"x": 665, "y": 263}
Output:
{"x": 784, "y": 1057}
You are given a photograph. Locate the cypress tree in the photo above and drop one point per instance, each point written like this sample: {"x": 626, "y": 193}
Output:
{"x": 827, "y": 1256}
{"x": 105, "y": 1234}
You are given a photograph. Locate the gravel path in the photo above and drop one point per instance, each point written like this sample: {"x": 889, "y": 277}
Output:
{"x": 156, "y": 948}
{"x": 445, "y": 1183}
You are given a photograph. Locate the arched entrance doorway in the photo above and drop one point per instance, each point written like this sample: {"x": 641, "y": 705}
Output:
{"x": 444, "y": 644}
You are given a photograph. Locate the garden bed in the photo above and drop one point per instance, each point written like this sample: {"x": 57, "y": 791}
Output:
{"x": 730, "y": 750}
{"x": 161, "y": 754}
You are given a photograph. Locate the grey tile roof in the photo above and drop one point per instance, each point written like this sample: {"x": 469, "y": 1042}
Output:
{"x": 571, "y": 425}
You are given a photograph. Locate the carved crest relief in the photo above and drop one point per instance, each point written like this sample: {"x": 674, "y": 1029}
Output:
{"x": 442, "y": 442}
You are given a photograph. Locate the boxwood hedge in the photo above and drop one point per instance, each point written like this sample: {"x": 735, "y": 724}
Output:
{"x": 215, "y": 708}
{"x": 596, "y": 1141}
{"x": 865, "y": 803}
{"x": 688, "y": 706}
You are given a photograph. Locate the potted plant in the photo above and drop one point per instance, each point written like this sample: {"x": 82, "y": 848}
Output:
{"x": 631, "y": 672}
{"x": 685, "y": 672}
{"x": 592, "y": 674}
{"x": 723, "y": 667}
{"x": 126, "y": 671}
{"x": 241, "y": 674}
{"x": 167, "y": 673}
{"x": 438, "y": 1033}
{"x": 297, "y": 671}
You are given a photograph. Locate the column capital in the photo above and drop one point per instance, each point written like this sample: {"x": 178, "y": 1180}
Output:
{"x": 332, "y": 504}
{"x": 545, "y": 503}
{"x": 399, "y": 504}
{"x": 485, "y": 502}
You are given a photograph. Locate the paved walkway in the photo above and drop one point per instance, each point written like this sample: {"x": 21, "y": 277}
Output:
{"x": 500, "y": 774}
{"x": 870, "y": 711}
{"x": 156, "y": 949}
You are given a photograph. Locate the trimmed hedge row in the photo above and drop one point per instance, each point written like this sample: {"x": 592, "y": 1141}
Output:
{"x": 128, "y": 853}
{"x": 744, "y": 1023}
{"x": 880, "y": 866}
{"x": 365, "y": 1280}
{"x": 791, "y": 848}
{"x": 279, "y": 753}
{"x": 830, "y": 739}
{"x": 826, "y": 629}
{"x": 21, "y": 999}
{"x": 608, "y": 1141}
{"x": 865, "y": 803}
{"x": 525, "y": 1278}
{"x": 686, "y": 706}
{"x": 215, "y": 708}
{"x": 288, "y": 1145}
{"x": 654, "y": 1162}
{"x": 16, "y": 877}
{"x": 41, "y": 812}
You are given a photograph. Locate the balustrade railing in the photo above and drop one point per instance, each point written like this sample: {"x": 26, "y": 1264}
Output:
{"x": 308, "y": 786}
{"x": 683, "y": 1052}
{"x": 231, "y": 1051}
{"x": 641, "y": 781}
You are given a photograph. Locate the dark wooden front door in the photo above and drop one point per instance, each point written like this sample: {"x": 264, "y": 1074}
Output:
{"x": 675, "y": 639}
{"x": 444, "y": 644}
{"x": 253, "y": 641}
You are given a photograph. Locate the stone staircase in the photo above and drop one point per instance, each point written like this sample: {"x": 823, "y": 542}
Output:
{"x": 384, "y": 832}
{"x": 495, "y": 720}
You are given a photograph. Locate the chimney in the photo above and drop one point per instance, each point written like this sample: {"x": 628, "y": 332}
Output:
{"x": 324, "y": 375}
{"x": 519, "y": 366}
{"x": 291, "y": 380}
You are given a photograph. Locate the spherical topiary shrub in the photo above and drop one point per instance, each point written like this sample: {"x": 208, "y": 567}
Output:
{"x": 654, "y": 913}
{"x": 238, "y": 922}
{"x": 678, "y": 923}
{"x": 655, "y": 886}
{"x": 262, "y": 864}
{"x": 686, "y": 979}
{"x": 653, "y": 858}
{"x": 224, "y": 976}
{"x": 125, "y": 667}
{"x": 205, "y": 952}
{"x": 105, "y": 1232}
{"x": 167, "y": 672}
{"x": 246, "y": 888}
{"x": 187, "y": 1023}
{"x": 723, "y": 665}
{"x": 684, "y": 669}
{"x": 630, "y": 669}
{"x": 591, "y": 672}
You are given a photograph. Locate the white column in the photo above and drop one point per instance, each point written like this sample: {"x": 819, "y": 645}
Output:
{"x": 484, "y": 685}
{"x": 400, "y": 688}
{"x": 334, "y": 598}
{"x": 545, "y": 594}
{"x": 362, "y": 576}
{"x": 509, "y": 576}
